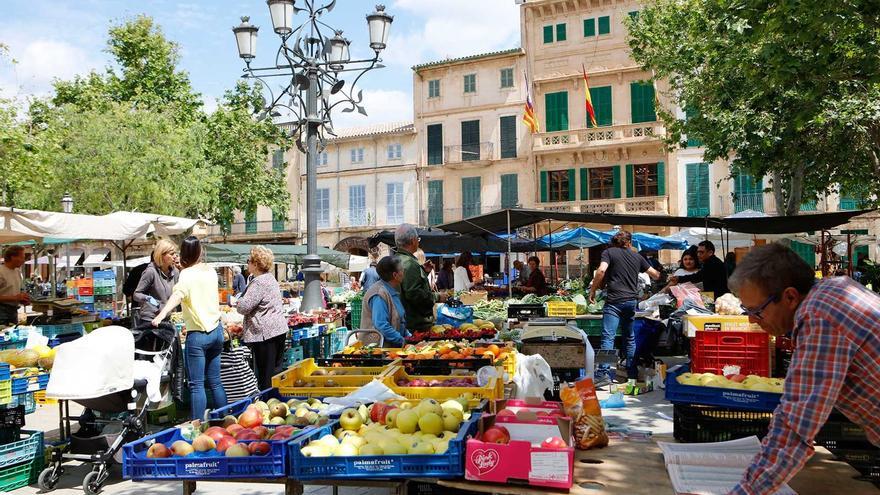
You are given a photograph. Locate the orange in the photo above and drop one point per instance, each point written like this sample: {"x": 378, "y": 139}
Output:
{"x": 494, "y": 349}
{"x": 488, "y": 355}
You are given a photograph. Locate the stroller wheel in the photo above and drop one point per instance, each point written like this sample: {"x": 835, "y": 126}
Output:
{"x": 48, "y": 479}
{"x": 93, "y": 483}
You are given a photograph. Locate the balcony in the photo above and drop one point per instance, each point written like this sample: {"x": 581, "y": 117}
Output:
{"x": 260, "y": 230}
{"x": 464, "y": 154}
{"x": 645, "y": 205}
{"x": 598, "y": 137}
{"x": 748, "y": 201}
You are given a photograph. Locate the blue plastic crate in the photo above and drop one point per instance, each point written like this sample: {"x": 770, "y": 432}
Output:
{"x": 62, "y": 339}
{"x": 299, "y": 334}
{"x": 71, "y": 328}
{"x": 447, "y": 465}
{"x": 104, "y": 274}
{"x": 200, "y": 465}
{"x": 25, "y": 384}
{"x": 239, "y": 407}
{"x": 27, "y": 400}
{"x": 20, "y": 475}
{"x": 7, "y": 344}
{"x": 24, "y": 450}
{"x": 714, "y": 396}
{"x": 4, "y": 371}
{"x": 88, "y": 307}
{"x": 106, "y": 314}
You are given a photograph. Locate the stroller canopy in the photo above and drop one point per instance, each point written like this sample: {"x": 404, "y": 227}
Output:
{"x": 98, "y": 364}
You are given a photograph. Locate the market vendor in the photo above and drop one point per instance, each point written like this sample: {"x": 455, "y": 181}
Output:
{"x": 382, "y": 308}
{"x": 415, "y": 291}
{"x": 835, "y": 327}
{"x": 522, "y": 273}
{"x": 462, "y": 277}
{"x": 713, "y": 274}
{"x": 536, "y": 283}
{"x": 11, "y": 296}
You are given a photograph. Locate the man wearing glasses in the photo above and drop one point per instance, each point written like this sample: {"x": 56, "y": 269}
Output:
{"x": 835, "y": 326}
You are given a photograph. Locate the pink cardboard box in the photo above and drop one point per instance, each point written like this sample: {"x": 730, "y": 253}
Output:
{"x": 523, "y": 460}
{"x": 536, "y": 405}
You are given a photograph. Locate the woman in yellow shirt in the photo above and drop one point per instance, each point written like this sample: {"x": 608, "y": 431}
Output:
{"x": 197, "y": 292}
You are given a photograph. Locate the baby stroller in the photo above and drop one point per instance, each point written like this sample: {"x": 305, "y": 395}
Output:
{"x": 116, "y": 380}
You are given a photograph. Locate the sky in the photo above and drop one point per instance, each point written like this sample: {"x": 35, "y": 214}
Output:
{"x": 51, "y": 39}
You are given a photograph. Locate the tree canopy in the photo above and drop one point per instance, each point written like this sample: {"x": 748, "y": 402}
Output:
{"x": 786, "y": 89}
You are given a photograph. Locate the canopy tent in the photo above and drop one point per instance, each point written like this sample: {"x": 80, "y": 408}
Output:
{"x": 284, "y": 253}
{"x": 96, "y": 258}
{"x": 436, "y": 241}
{"x": 578, "y": 238}
{"x": 358, "y": 263}
{"x": 650, "y": 242}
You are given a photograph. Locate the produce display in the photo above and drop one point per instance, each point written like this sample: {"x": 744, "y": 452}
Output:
{"x": 39, "y": 356}
{"x": 491, "y": 310}
{"x": 477, "y": 330}
{"x": 389, "y": 429}
{"x": 440, "y": 349}
{"x": 751, "y": 382}
{"x": 584, "y": 307}
{"x": 728, "y": 304}
{"x": 464, "y": 381}
{"x": 317, "y": 316}
{"x": 345, "y": 296}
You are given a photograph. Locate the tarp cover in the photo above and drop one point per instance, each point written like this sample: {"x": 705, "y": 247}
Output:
{"x": 437, "y": 241}
{"x": 583, "y": 237}
{"x": 284, "y": 253}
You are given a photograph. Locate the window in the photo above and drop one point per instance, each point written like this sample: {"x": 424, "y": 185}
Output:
{"x": 470, "y": 83}
{"x": 602, "y": 183}
{"x": 506, "y": 78}
{"x": 560, "y": 32}
{"x": 322, "y": 159}
{"x": 589, "y": 27}
{"x": 645, "y": 180}
{"x": 692, "y": 141}
{"x": 697, "y": 178}
{"x": 642, "y": 100}
{"x": 604, "y": 25}
{"x": 548, "y": 34}
{"x": 561, "y": 185}
{"x": 357, "y": 205}
{"x": 849, "y": 200}
{"x": 394, "y": 197}
{"x": 508, "y": 137}
{"x": 435, "y": 144}
{"x": 556, "y": 106}
{"x": 634, "y": 15}
{"x": 435, "y": 202}
{"x": 278, "y": 159}
{"x": 250, "y": 221}
{"x": 434, "y": 88}
{"x": 357, "y": 155}
{"x": 277, "y": 222}
{"x": 509, "y": 191}
{"x": 470, "y": 196}
{"x": 470, "y": 140}
{"x": 601, "y": 105}
{"x": 322, "y": 200}
{"x": 748, "y": 193}
{"x": 394, "y": 151}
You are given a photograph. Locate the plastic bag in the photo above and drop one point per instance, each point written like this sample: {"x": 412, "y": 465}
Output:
{"x": 582, "y": 406}
{"x": 455, "y": 316}
{"x": 533, "y": 376}
{"x": 687, "y": 292}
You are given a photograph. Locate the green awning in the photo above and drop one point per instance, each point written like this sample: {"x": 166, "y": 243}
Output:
{"x": 284, "y": 253}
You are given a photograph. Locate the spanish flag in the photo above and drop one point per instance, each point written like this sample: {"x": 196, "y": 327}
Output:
{"x": 529, "y": 117}
{"x": 588, "y": 102}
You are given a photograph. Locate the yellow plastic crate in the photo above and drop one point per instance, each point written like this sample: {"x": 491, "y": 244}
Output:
{"x": 5, "y": 391}
{"x": 40, "y": 398}
{"x": 493, "y": 390}
{"x": 317, "y": 386}
{"x": 307, "y": 368}
{"x": 561, "y": 308}
{"x": 509, "y": 364}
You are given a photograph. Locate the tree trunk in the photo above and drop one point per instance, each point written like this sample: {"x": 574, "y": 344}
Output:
{"x": 788, "y": 190}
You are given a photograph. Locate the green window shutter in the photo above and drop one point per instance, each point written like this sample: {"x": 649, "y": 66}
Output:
{"x": 642, "y": 102}
{"x": 250, "y": 221}
{"x": 543, "y": 186}
{"x": 277, "y": 159}
{"x": 560, "y": 32}
{"x": 604, "y": 25}
{"x": 601, "y": 105}
{"x": 470, "y": 196}
{"x": 585, "y": 185}
{"x": 470, "y": 140}
{"x": 692, "y": 142}
{"x": 509, "y": 191}
{"x": 548, "y": 34}
{"x": 556, "y": 108}
{"x": 572, "y": 185}
{"x": 661, "y": 179}
{"x": 508, "y": 136}
{"x": 634, "y": 15}
{"x": 630, "y": 181}
{"x": 435, "y": 202}
{"x": 697, "y": 183}
{"x": 615, "y": 175}
{"x": 805, "y": 251}
{"x": 749, "y": 193}
{"x": 435, "y": 144}
{"x": 589, "y": 27}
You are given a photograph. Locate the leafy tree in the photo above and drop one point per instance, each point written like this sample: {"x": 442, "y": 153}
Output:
{"x": 789, "y": 90}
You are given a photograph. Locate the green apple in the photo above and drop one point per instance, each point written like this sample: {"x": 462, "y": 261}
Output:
{"x": 277, "y": 420}
{"x": 301, "y": 411}
{"x": 391, "y": 417}
{"x": 351, "y": 420}
{"x": 316, "y": 450}
{"x": 431, "y": 423}
{"x": 370, "y": 449}
{"x": 355, "y": 440}
{"x": 346, "y": 450}
{"x": 329, "y": 441}
{"x": 441, "y": 447}
{"x": 312, "y": 417}
{"x": 364, "y": 413}
{"x": 429, "y": 406}
{"x": 407, "y": 421}
{"x": 451, "y": 422}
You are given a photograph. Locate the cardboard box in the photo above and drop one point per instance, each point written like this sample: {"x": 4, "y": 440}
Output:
{"x": 471, "y": 298}
{"x": 536, "y": 405}
{"x": 557, "y": 354}
{"x": 523, "y": 460}
{"x": 710, "y": 323}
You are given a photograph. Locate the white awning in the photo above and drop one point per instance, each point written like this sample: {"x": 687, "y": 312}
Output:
{"x": 130, "y": 262}
{"x": 96, "y": 258}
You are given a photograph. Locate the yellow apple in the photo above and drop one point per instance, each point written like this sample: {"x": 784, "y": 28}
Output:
{"x": 431, "y": 423}
{"x": 407, "y": 421}
{"x": 346, "y": 450}
{"x": 371, "y": 449}
{"x": 394, "y": 448}
{"x": 451, "y": 422}
{"x": 420, "y": 448}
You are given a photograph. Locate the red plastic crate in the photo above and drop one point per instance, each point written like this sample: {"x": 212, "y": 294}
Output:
{"x": 712, "y": 351}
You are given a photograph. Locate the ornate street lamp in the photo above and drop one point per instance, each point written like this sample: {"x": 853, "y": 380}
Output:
{"x": 67, "y": 203}
{"x": 313, "y": 60}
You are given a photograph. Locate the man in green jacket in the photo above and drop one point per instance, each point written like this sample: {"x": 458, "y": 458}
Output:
{"x": 415, "y": 291}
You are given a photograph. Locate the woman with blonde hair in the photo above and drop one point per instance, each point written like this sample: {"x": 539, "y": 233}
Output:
{"x": 157, "y": 281}
{"x": 265, "y": 326}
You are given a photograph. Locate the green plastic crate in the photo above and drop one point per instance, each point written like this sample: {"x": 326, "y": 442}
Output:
{"x": 15, "y": 477}
{"x": 356, "y": 312}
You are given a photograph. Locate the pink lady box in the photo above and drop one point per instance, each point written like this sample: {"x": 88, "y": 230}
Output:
{"x": 523, "y": 459}
{"x": 536, "y": 405}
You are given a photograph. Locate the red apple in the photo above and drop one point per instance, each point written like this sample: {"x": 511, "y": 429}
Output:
{"x": 158, "y": 451}
{"x": 224, "y": 443}
{"x": 259, "y": 448}
{"x": 379, "y": 411}
{"x": 246, "y": 435}
{"x": 251, "y": 418}
{"x": 285, "y": 430}
{"x": 233, "y": 429}
{"x": 553, "y": 443}
{"x": 279, "y": 437}
{"x": 262, "y": 431}
{"x": 505, "y": 412}
{"x": 216, "y": 433}
{"x": 737, "y": 378}
{"x": 496, "y": 434}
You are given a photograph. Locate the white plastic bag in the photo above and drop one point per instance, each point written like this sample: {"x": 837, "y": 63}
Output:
{"x": 533, "y": 376}
{"x": 375, "y": 391}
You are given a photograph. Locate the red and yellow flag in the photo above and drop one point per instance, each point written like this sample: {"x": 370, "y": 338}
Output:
{"x": 529, "y": 117}
{"x": 588, "y": 102}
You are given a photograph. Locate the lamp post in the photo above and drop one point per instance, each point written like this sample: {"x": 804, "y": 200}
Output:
{"x": 66, "y": 207}
{"x": 312, "y": 60}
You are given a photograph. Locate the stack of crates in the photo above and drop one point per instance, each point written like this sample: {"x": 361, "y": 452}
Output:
{"x": 105, "y": 293}
{"x": 21, "y": 451}
{"x": 84, "y": 292}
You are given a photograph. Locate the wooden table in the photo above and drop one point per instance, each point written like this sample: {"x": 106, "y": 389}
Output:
{"x": 636, "y": 468}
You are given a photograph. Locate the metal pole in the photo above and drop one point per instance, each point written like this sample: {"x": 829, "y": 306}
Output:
{"x": 509, "y": 270}
{"x": 312, "y": 298}
{"x": 849, "y": 268}
{"x": 67, "y": 265}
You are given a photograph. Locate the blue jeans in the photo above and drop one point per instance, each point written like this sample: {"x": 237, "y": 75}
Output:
{"x": 203, "y": 365}
{"x": 621, "y": 314}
